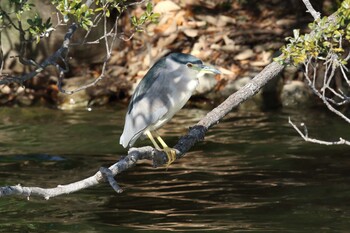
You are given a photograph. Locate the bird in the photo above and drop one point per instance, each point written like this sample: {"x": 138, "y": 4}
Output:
{"x": 162, "y": 92}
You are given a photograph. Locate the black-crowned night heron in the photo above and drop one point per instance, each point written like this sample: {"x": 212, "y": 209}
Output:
{"x": 163, "y": 91}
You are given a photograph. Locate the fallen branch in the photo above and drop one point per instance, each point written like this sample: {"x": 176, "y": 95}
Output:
{"x": 195, "y": 134}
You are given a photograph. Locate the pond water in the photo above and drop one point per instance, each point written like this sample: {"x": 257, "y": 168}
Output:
{"x": 252, "y": 173}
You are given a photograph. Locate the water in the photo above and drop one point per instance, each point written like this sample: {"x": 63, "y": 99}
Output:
{"x": 253, "y": 173}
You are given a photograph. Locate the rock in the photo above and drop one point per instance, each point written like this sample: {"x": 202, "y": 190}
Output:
{"x": 4, "y": 89}
{"x": 79, "y": 99}
{"x": 25, "y": 100}
{"x": 294, "y": 94}
{"x": 271, "y": 93}
{"x": 290, "y": 72}
{"x": 99, "y": 101}
{"x": 239, "y": 83}
{"x": 20, "y": 90}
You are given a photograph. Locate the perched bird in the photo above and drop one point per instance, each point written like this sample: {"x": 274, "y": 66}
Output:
{"x": 163, "y": 91}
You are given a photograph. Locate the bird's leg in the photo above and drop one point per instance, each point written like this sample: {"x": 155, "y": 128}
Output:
{"x": 149, "y": 135}
{"x": 171, "y": 153}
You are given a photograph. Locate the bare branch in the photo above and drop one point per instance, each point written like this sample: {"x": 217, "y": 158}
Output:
{"x": 313, "y": 140}
{"x": 321, "y": 94}
{"x": 109, "y": 45}
{"x": 311, "y": 10}
{"x": 50, "y": 61}
{"x": 122, "y": 165}
{"x": 195, "y": 134}
{"x": 108, "y": 174}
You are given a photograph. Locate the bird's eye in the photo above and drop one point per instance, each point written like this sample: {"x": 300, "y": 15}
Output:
{"x": 189, "y": 65}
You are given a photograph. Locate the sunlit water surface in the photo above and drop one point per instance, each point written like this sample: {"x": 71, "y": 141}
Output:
{"x": 252, "y": 173}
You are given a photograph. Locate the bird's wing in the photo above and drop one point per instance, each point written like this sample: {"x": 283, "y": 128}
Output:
{"x": 146, "y": 82}
{"x": 148, "y": 104}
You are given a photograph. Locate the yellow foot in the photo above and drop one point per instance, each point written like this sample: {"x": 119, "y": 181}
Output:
{"x": 171, "y": 154}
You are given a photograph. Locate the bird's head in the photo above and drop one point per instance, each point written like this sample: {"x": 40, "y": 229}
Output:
{"x": 193, "y": 63}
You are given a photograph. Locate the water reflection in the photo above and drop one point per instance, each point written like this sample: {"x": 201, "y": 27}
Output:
{"x": 252, "y": 173}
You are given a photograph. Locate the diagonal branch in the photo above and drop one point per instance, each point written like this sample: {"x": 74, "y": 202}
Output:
{"x": 50, "y": 61}
{"x": 185, "y": 143}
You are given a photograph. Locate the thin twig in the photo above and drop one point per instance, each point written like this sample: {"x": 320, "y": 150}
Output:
{"x": 322, "y": 95}
{"x": 311, "y": 10}
{"x": 52, "y": 60}
{"x": 109, "y": 45}
{"x": 313, "y": 140}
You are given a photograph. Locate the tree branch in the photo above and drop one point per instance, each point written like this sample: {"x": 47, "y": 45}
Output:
{"x": 129, "y": 161}
{"x": 109, "y": 37}
{"x": 311, "y": 10}
{"x": 330, "y": 68}
{"x": 195, "y": 134}
{"x": 305, "y": 136}
{"x": 52, "y": 60}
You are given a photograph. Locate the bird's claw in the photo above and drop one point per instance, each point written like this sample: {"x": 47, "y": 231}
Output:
{"x": 171, "y": 154}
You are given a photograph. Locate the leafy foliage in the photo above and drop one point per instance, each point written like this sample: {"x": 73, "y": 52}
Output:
{"x": 326, "y": 37}
{"x": 72, "y": 11}
{"x": 83, "y": 14}
{"x": 77, "y": 10}
{"x": 39, "y": 29}
{"x": 147, "y": 16}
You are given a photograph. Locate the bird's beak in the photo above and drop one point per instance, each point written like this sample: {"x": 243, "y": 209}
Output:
{"x": 208, "y": 69}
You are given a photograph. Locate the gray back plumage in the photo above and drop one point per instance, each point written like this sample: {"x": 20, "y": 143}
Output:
{"x": 153, "y": 73}
{"x": 146, "y": 82}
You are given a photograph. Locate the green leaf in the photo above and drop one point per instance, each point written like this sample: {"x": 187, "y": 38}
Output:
{"x": 149, "y": 7}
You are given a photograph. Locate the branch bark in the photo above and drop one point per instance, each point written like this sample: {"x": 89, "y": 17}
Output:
{"x": 311, "y": 10}
{"x": 52, "y": 60}
{"x": 195, "y": 134}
